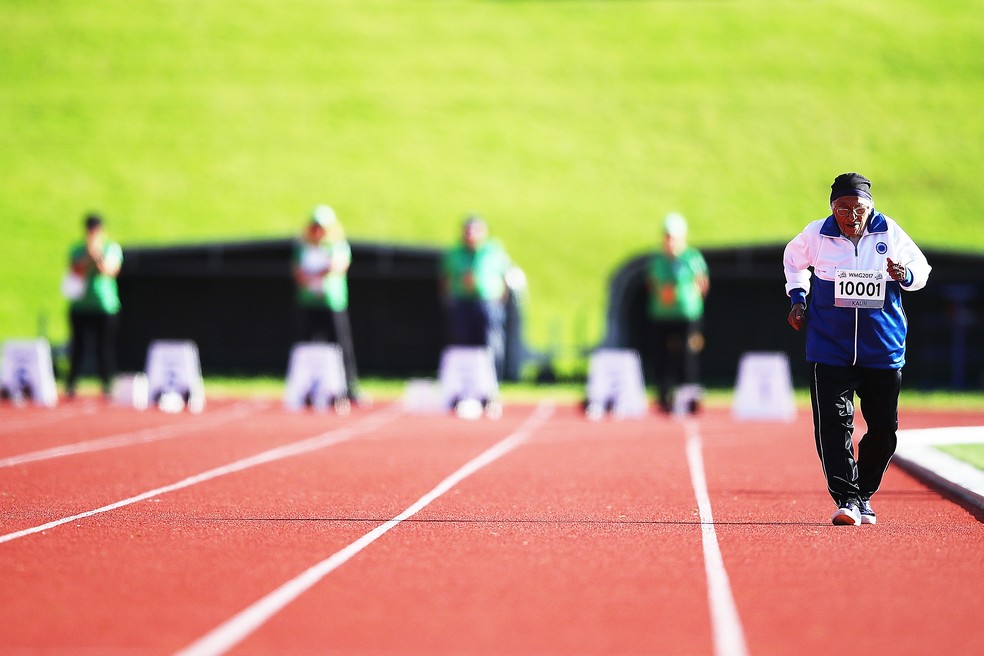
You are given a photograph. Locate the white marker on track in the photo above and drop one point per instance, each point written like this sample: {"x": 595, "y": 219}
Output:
{"x": 729, "y": 638}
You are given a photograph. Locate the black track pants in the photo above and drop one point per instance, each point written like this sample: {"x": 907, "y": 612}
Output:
{"x": 324, "y": 324}
{"x": 832, "y": 390}
{"x": 675, "y": 349}
{"x": 101, "y": 329}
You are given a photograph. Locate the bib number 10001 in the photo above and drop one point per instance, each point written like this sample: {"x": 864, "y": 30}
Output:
{"x": 851, "y": 288}
{"x": 859, "y": 289}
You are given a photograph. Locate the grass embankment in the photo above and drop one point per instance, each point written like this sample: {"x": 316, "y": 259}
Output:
{"x": 573, "y": 127}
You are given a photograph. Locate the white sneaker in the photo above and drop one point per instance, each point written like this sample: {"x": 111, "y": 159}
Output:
{"x": 867, "y": 513}
{"x": 847, "y": 515}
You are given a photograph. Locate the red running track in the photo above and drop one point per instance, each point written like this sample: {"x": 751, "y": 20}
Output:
{"x": 564, "y": 537}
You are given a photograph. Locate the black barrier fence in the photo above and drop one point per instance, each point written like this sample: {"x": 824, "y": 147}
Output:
{"x": 236, "y": 302}
{"x": 746, "y": 311}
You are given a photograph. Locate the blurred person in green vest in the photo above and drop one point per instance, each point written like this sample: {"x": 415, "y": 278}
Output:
{"x": 94, "y": 302}
{"x": 474, "y": 286}
{"x": 322, "y": 257}
{"x": 677, "y": 282}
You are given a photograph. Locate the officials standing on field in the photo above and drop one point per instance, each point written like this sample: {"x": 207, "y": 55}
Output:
{"x": 677, "y": 282}
{"x": 322, "y": 257}
{"x": 473, "y": 283}
{"x": 851, "y": 308}
{"x": 94, "y": 302}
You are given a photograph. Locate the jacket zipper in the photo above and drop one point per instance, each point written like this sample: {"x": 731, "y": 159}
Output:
{"x": 856, "y": 310}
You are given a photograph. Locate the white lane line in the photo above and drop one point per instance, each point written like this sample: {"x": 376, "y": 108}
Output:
{"x": 230, "y": 633}
{"x": 320, "y": 441}
{"x": 945, "y": 435}
{"x": 142, "y": 436}
{"x": 729, "y": 638}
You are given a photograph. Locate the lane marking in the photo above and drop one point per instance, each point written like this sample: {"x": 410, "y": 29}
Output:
{"x": 944, "y": 435}
{"x": 320, "y": 441}
{"x": 729, "y": 638}
{"x": 141, "y": 436}
{"x": 234, "y": 630}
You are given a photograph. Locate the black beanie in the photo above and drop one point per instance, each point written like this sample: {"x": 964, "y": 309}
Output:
{"x": 93, "y": 221}
{"x": 850, "y": 184}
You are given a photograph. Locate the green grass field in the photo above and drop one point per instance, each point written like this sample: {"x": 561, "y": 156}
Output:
{"x": 574, "y": 127}
{"x": 971, "y": 453}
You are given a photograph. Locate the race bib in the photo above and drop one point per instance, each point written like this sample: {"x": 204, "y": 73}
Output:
{"x": 859, "y": 289}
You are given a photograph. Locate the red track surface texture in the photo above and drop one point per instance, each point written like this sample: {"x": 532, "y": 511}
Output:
{"x": 249, "y": 529}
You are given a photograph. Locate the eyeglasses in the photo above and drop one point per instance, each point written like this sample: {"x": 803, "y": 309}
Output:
{"x": 858, "y": 211}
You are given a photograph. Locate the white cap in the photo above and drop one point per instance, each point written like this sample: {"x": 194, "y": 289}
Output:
{"x": 324, "y": 216}
{"x": 674, "y": 224}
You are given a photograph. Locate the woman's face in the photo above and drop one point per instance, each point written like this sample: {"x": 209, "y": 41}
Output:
{"x": 94, "y": 234}
{"x": 851, "y": 214}
{"x": 474, "y": 234}
{"x": 315, "y": 233}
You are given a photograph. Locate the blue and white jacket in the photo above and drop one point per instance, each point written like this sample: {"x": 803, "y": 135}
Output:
{"x": 843, "y": 336}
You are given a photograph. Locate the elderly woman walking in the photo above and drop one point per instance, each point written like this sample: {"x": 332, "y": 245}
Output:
{"x": 851, "y": 307}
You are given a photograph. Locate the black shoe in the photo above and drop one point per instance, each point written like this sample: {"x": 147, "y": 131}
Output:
{"x": 848, "y": 514}
{"x": 867, "y": 512}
